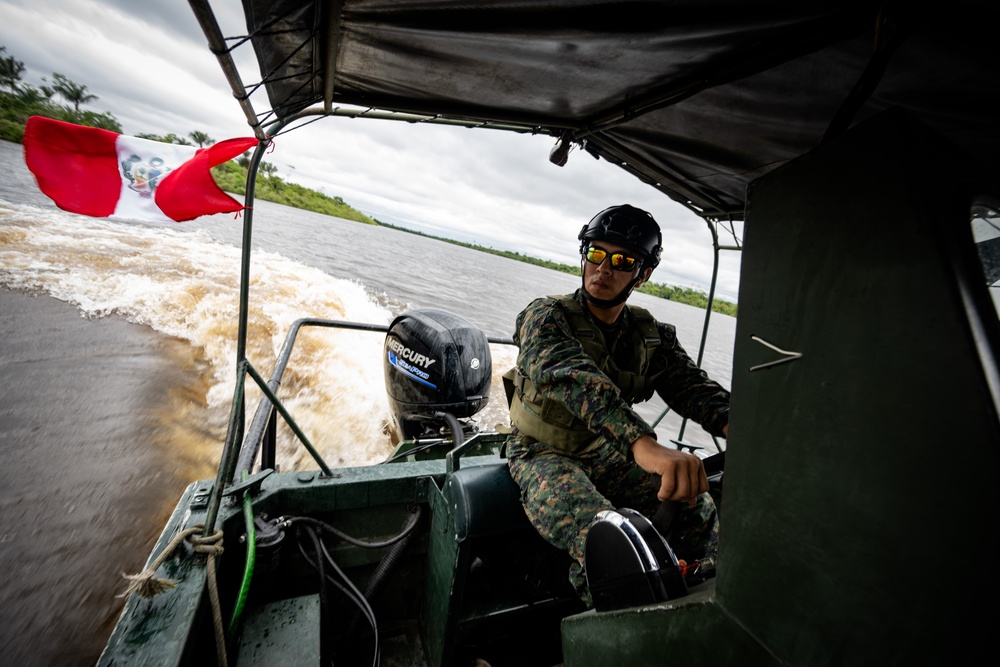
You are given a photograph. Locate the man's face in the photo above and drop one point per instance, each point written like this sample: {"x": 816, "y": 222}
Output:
{"x": 603, "y": 282}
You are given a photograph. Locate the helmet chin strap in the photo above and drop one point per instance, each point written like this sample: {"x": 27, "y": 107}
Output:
{"x": 609, "y": 303}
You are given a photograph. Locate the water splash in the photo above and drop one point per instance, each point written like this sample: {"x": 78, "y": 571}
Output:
{"x": 185, "y": 285}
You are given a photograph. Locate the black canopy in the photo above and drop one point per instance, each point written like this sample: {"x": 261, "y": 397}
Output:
{"x": 697, "y": 97}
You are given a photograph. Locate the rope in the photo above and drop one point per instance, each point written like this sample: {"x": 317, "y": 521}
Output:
{"x": 146, "y": 584}
{"x": 212, "y": 547}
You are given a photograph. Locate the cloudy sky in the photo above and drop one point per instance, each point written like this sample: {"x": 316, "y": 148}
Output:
{"x": 149, "y": 65}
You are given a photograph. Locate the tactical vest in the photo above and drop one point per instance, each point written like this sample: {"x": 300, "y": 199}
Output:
{"x": 546, "y": 420}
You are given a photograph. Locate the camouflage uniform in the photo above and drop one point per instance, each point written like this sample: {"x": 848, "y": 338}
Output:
{"x": 562, "y": 490}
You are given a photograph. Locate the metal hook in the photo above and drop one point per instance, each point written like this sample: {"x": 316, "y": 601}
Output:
{"x": 789, "y": 356}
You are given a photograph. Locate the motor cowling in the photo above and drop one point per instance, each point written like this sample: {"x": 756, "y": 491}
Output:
{"x": 435, "y": 362}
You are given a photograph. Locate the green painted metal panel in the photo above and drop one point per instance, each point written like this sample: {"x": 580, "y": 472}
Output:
{"x": 442, "y": 559}
{"x": 159, "y": 630}
{"x": 858, "y": 473}
{"x": 285, "y": 632}
{"x": 688, "y": 631}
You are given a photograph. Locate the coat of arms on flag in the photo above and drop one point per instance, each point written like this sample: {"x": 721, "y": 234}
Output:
{"x": 100, "y": 173}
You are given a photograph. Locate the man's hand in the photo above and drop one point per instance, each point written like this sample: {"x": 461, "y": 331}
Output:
{"x": 682, "y": 475}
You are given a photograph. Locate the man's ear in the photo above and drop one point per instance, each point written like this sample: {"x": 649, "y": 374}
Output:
{"x": 646, "y": 273}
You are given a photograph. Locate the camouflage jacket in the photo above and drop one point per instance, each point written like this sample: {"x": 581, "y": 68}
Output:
{"x": 555, "y": 362}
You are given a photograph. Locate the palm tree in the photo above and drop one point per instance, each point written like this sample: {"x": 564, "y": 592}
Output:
{"x": 172, "y": 138}
{"x": 73, "y": 92}
{"x": 29, "y": 95}
{"x": 201, "y": 138}
{"x": 11, "y": 70}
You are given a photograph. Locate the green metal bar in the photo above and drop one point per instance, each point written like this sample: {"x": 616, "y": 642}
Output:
{"x": 708, "y": 312}
{"x": 663, "y": 414}
{"x": 251, "y": 187}
{"x": 711, "y": 291}
{"x": 288, "y": 418}
{"x": 234, "y": 433}
{"x": 228, "y": 450}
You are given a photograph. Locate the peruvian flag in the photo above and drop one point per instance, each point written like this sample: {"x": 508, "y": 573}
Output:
{"x": 100, "y": 173}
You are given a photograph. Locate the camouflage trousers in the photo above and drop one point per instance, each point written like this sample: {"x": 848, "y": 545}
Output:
{"x": 562, "y": 493}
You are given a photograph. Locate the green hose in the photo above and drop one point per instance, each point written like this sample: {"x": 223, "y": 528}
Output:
{"x": 248, "y": 570}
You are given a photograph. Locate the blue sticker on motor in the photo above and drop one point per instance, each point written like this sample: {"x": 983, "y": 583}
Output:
{"x": 409, "y": 370}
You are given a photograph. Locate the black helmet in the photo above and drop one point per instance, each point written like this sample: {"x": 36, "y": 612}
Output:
{"x": 626, "y": 226}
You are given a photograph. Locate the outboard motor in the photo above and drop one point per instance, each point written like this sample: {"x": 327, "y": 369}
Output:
{"x": 435, "y": 363}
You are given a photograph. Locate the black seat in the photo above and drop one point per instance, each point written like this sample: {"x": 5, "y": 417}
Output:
{"x": 484, "y": 501}
{"x": 506, "y": 585}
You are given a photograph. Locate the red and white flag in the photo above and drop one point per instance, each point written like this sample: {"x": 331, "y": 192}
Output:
{"x": 100, "y": 173}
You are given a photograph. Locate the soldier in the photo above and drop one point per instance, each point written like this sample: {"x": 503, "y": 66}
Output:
{"x": 584, "y": 359}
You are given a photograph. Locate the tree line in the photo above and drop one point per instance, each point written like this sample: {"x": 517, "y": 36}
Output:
{"x": 687, "y": 295}
{"x": 21, "y": 100}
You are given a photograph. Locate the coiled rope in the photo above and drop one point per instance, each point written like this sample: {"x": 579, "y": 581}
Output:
{"x": 146, "y": 584}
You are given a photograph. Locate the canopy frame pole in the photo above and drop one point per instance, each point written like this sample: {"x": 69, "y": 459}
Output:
{"x": 330, "y": 51}
{"x": 217, "y": 44}
{"x": 716, "y": 248}
{"x": 234, "y": 433}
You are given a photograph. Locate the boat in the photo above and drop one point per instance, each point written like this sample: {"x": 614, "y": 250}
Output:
{"x": 856, "y": 143}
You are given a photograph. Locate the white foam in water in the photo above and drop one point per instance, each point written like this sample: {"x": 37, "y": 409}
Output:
{"x": 186, "y": 285}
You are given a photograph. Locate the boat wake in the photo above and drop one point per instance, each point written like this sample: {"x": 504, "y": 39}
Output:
{"x": 184, "y": 284}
